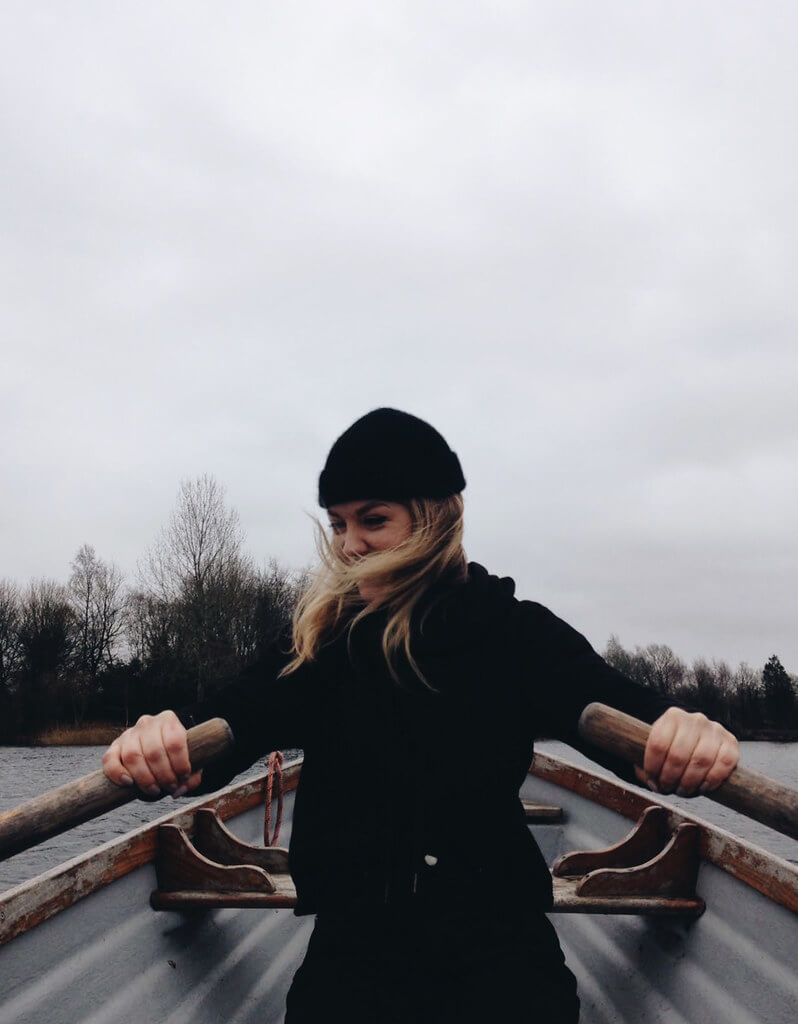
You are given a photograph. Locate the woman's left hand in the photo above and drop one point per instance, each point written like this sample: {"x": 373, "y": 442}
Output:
{"x": 687, "y": 754}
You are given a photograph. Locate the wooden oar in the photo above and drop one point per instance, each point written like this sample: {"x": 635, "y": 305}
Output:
{"x": 745, "y": 791}
{"x": 94, "y": 794}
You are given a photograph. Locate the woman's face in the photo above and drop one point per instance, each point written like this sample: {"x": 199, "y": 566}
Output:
{"x": 360, "y": 527}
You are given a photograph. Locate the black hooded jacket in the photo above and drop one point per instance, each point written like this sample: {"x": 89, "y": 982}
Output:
{"x": 407, "y": 791}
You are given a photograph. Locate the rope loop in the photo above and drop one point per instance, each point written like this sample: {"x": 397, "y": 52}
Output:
{"x": 274, "y": 775}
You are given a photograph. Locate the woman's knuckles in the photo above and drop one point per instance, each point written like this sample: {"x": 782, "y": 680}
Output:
{"x": 658, "y": 745}
{"x": 674, "y": 765}
{"x": 728, "y": 760}
{"x": 176, "y": 748}
{"x": 131, "y": 756}
{"x": 153, "y": 748}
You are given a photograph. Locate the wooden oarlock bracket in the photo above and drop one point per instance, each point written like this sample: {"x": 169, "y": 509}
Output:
{"x": 651, "y": 871}
{"x": 215, "y": 869}
{"x": 214, "y": 840}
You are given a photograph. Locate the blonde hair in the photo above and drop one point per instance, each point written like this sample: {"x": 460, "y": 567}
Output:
{"x": 401, "y": 576}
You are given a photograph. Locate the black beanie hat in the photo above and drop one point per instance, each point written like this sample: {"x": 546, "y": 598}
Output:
{"x": 391, "y": 455}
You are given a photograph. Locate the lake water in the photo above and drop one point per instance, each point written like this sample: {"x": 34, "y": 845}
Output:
{"x": 26, "y": 772}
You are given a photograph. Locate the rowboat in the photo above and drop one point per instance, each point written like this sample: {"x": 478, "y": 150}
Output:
{"x": 663, "y": 917}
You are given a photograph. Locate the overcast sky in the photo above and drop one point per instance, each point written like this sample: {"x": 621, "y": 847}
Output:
{"x": 565, "y": 233}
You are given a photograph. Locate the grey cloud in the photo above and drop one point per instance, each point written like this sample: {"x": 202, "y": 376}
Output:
{"x": 562, "y": 232}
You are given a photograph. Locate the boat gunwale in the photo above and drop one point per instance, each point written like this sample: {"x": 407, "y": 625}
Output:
{"x": 766, "y": 872}
{"x": 31, "y": 902}
{"x": 39, "y": 898}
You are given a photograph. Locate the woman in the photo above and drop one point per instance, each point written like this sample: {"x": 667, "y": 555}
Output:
{"x": 430, "y": 892}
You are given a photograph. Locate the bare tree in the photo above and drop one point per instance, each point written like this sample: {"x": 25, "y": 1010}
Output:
{"x": 709, "y": 686}
{"x": 200, "y": 543}
{"x": 155, "y": 637}
{"x": 655, "y": 666}
{"x": 97, "y": 597}
{"x": 9, "y": 635}
{"x": 747, "y": 700}
{"x": 198, "y": 568}
{"x": 667, "y": 670}
{"x": 9, "y": 656}
{"x": 47, "y": 639}
{"x": 267, "y": 608}
{"x": 628, "y": 662}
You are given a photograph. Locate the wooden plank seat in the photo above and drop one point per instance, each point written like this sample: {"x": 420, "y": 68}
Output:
{"x": 568, "y": 900}
{"x": 650, "y": 872}
{"x": 541, "y": 814}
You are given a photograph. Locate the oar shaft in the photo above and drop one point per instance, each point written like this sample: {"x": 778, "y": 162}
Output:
{"x": 745, "y": 791}
{"x": 69, "y": 805}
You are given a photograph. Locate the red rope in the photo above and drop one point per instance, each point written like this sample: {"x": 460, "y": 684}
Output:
{"x": 275, "y": 774}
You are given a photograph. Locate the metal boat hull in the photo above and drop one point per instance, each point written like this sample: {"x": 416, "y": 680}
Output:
{"x": 110, "y": 958}
{"x": 736, "y": 964}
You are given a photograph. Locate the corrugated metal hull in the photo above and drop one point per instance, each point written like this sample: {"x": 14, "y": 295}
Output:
{"x": 736, "y": 964}
{"x": 111, "y": 959}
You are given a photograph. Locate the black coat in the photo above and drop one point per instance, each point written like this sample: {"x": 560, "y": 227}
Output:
{"x": 394, "y": 774}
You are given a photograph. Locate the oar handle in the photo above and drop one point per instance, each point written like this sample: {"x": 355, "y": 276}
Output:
{"x": 745, "y": 791}
{"x": 94, "y": 794}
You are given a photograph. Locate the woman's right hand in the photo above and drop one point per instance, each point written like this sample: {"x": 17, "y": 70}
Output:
{"x": 153, "y": 755}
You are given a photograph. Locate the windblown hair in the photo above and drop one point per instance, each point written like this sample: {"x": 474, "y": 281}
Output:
{"x": 402, "y": 575}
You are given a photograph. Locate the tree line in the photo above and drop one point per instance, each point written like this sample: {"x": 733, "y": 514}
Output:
{"x": 747, "y": 701}
{"x": 97, "y": 649}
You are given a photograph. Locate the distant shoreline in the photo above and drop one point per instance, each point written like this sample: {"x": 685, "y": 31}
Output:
{"x": 97, "y": 734}
{"x": 91, "y": 734}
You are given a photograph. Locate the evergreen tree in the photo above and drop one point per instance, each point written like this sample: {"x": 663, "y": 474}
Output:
{"x": 780, "y": 702}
